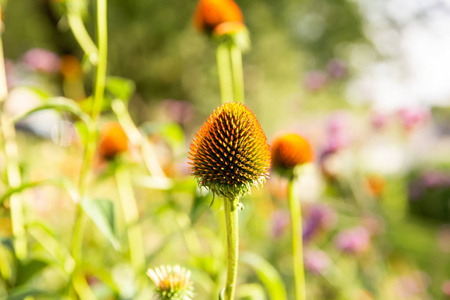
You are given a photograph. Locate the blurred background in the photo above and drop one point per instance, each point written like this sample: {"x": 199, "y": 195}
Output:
{"x": 367, "y": 82}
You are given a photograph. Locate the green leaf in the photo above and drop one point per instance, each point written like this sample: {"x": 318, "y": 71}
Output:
{"x": 63, "y": 182}
{"x": 22, "y": 293}
{"x": 26, "y": 271}
{"x": 7, "y": 263}
{"x": 267, "y": 274}
{"x": 101, "y": 213}
{"x": 59, "y": 104}
{"x": 251, "y": 291}
{"x": 120, "y": 88}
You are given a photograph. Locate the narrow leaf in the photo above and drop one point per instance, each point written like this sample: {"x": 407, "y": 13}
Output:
{"x": 267, "y": 274}
{"x": 101, "y": 213}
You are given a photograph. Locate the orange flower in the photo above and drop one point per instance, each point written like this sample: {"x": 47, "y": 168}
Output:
{"x": 229, "y": 28}
{"x": 210, "y": 13}
{"x": 290, "y": 150}
{"x": 70, "y": 67}
{"x": 375, "y": 184}
{"x": 113, "y": 140}
{"x": 230, "y": 152}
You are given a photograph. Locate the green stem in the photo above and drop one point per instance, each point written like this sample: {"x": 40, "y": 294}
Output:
{"x": 100, "y": 78}
{"x": 13, "y": 177}
{"x": 82, "y": 36}
{"x": 231, "y": 222}
{"x": 224, "y": 71}
{"x": 237, "y": 73}
{"x": 131, "y": 216}
{"x": 137, "y": 139}
{"x": 297, "y": 241}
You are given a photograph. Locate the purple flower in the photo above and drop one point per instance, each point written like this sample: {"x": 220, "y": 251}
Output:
{"x": 280, "y": 220}
{"x": 42, "y": 60}
{"x": 315, "y": 80}
{"x": 320, "y": 217}
{"x": 353, "y": 241}
{"x": 338, "y": 132}
{"x": 337, "y": 68}
{"x": 316, "y": 261}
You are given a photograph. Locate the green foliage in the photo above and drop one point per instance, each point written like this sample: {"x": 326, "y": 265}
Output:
{"x": 267, "y": 274}
{"x": 101, "y": 212}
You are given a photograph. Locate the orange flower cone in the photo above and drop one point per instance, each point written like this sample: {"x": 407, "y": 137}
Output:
{"x": 211, "y": 13}
{"x": 230, "y": 153}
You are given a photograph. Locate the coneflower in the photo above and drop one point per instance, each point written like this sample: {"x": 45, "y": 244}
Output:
{"x": 289, "y": 151}
{"x": 229, "y": 155}
{"x": 113, "y": 140}
{"x": 233, "y": 38}
{"x": 172, "y": 283}
{"x": 210, "y": 13}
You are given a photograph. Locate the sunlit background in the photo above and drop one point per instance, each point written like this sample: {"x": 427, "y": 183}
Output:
{"x": 367, "y": 82}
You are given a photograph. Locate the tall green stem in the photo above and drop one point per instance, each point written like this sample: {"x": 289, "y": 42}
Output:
{"x": 297, "y": 241}
{"x": 14, "y": 180}
{"x": 82, "y": 36}
{"x": 224, "y": 71}
{"x": 100, "y": 78}
{"x": 91, "y": 141}
{"x": 237, "y": 73}
{"x": 131, "y": 216}
{"x": 231, "y": 223}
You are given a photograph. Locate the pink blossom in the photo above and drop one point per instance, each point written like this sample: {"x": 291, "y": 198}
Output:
{"x": 353, "y": 241}
{"x": 337, "y": 68}
{"x": 315, "y": 80}
{"x": 42, "y": 60}
{"x": 316, "y": 261}
{"x": 412, "y": 117}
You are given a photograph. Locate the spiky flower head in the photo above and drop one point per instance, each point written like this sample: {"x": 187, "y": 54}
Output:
{"x": 290, "y": 150}
{"x": 172, "y": 283}
{"x": 210, "y": 13}
{"x": 113, "y": 140}
{"x": 230, "y": 153}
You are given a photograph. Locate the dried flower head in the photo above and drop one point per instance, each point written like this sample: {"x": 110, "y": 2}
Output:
{"x": 113, "y": 140}
{"x": 172, "y": 283}
{"x": 290, "y": 150}
{"x": 210, "y": 13}
{"x": 230, "y": 152}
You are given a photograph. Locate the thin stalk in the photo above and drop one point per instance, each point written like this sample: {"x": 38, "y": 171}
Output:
{"x": 224, "y": 71}
{"x": 13, "y": 177}
{"x": 231, "y": 223}
{"x": 137, "y": 139}
{"x": 82, "y": 36}
{"x": 91, "y": 143}
{"x": 237, "y": 73}
{"x": 82, "y": 288}
{"x": 297, "y": 241}
{"x": 14, "y": 181}
{"x": 100, "y": 77}
{"x": 131, "y": 216}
